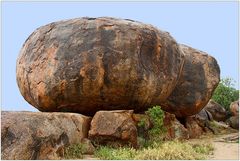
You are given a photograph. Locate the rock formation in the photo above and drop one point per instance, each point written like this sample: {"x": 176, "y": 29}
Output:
{"x": 35, "y": 135}
{"x": 85, "y": 65}
{"x": 42, "y": 135}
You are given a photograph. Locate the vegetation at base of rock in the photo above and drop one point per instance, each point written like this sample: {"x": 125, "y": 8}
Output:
{"x": 156, "y": 115}
{"x": 203, "y": 148}
{"x": 225, "y": 93}
{"x": 74, "y": 151}
{"x": 110, "y": 153}
{"x": 153, "y": 147}
{"x": 173, "y": 150}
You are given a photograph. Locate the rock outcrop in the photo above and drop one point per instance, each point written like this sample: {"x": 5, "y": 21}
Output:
{"x": 30, "y": 135}
{"x": 218, "y": 112}
{"x": 89, "y": 64}
{"x": 113, "y": 128}
{"x": 199, "y": 78}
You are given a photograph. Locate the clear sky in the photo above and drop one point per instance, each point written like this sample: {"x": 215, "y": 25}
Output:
{"x": 209, "y": 26}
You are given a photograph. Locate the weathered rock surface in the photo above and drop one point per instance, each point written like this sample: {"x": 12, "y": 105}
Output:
{"x": 205, "y": 115}
{"x": 89, "y": 64}
{"x": 175, "y": 130}
{"x": 143, "y": 124}
{"x": 114, "y": 128}
{"x": 218, "y": 112}
{"x": 199, "y": 78}
{"x": 195, "y": 126}
{"x": 234, "y": 108}
{"x": 234, "y": 122}
{"x": 30, "y": 135}
{"x": 88, "y": 148}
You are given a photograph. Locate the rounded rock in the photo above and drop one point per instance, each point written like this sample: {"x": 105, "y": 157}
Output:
{"x": 199, "y": 78}
{"x": 89, "y": 64}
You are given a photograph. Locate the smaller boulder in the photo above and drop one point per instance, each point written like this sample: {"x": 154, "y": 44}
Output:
{"x": 40, "y": 135}
{"x": 175, "y": 130}
{"x": 233, "y": 122}
{"x": 218, "y": 112}
{"x": 114, "y": 128}
{"x": 234, "y": 108}
{"x": 88, "y": 148}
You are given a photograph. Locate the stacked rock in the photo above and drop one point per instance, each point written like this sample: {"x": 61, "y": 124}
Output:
{"x": 84, "y": 65}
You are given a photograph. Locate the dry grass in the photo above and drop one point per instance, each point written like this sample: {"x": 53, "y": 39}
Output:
{"x": 169, "y": 150}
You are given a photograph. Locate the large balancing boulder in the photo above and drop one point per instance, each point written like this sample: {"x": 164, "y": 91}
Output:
{"x": 89, "y": 64}
{"x": 199, "y": 78}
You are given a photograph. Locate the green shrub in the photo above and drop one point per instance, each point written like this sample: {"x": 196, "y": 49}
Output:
{"x": 142, "y": 123}
{"x": 225, "y": 93}
{"x": 156, "y": 115}
{"x": 74, "y": 151}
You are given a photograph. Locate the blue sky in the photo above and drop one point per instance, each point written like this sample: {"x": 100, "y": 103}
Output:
{"x": 209, "y": 26}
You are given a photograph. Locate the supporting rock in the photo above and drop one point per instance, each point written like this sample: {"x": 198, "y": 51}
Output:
{"x": 175, "y": 130}
{"x": 114, "y": 128}
{"x": 34, "y": 135}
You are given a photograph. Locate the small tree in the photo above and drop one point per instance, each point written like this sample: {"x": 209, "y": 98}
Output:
{"x": 225, "y": 93}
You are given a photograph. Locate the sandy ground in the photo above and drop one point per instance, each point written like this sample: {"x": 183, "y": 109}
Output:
{"x": 225, "y": 150}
